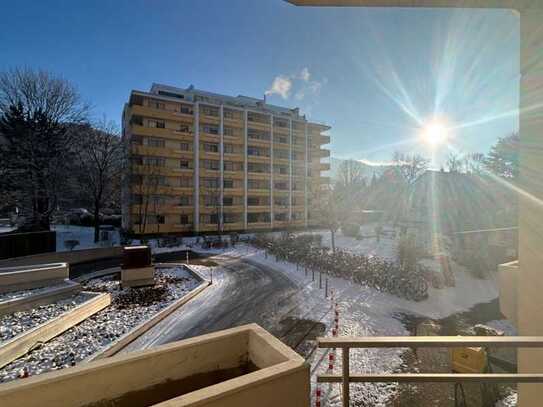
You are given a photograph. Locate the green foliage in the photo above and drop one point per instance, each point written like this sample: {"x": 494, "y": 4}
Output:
{"x": 503, "y": 158}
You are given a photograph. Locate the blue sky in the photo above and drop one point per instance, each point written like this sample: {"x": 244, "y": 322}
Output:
{"x": 374, "y": 75}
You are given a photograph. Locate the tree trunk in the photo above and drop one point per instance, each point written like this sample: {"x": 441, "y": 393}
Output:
{"x": 96, "y": 222}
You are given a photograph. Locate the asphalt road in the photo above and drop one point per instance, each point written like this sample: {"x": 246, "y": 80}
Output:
{"x": 243, "y": 292}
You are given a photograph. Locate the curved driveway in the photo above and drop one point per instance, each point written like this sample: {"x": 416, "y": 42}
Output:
{"x": 242, "y": 292}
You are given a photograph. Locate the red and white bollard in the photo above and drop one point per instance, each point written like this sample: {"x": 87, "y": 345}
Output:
{"x": 318, "y": 394}
{"x": 331, "y": 359}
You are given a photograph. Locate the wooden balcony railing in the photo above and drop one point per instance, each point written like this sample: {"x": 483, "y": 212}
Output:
{"x": 346, "y": 343}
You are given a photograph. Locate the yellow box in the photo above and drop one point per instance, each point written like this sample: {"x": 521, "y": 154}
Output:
{"x": 468, "y": 360}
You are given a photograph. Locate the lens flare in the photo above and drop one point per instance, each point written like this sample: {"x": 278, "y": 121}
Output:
{"x": 434, "y": 134}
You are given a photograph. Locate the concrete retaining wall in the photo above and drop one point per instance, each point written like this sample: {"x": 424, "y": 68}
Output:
{"x": 20, "y": 345}
{"x": 131, "y": 336}
{"x": 282, "y": 377}
{"x": 72, "y": 257}
{"x": 24, "y": 277}
{"x": 46, "y": 296}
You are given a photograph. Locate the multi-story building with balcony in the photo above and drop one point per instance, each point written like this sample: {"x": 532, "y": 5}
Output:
{"x": 204, "y": 162}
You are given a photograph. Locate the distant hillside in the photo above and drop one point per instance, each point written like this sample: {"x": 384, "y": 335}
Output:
{"x": 368, "y": 170}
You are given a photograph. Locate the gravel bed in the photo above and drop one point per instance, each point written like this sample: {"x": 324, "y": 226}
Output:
{"x": 129, "y": 308}
{"x": 15, "y": 324}
{"x": 12, "y": 295}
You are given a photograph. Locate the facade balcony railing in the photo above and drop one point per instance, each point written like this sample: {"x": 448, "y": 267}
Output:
{"x": 415, "y": 342}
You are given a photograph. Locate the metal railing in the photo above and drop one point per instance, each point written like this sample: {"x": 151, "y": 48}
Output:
{"x": 346, "y": 343}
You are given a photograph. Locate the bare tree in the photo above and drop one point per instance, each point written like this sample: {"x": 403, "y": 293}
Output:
{"x": 146, "y": 184}
{"x": 454, "y": 163}
{"x": 213, "y": 194}
{"x": 37, "y": 115}
{"x": 474, "y": 163}
{"x": 332, "y": 209}
{"x": 99, "y": 164}
{"x": 350, "y": 174}
{"x": 410, "y": 166}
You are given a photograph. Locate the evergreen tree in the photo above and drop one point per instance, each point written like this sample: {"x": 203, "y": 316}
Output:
{"x": 503, "y": 158}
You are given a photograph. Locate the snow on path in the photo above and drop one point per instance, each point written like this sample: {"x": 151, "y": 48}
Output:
{"x": 367, "y": 312}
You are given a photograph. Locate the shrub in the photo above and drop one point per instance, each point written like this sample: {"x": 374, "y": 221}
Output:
{"x": 381, "y": 274}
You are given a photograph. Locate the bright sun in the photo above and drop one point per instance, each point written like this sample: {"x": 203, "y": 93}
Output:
{"x": 434, "y": 134}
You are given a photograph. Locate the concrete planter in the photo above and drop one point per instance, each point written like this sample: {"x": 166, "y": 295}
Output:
{"x": 21, "y": 344}
{"x": 244, "y": 366}
{"x": 45, "y": 296}
{"x": 25, "y": 277}
{"x": 145, "y": 326}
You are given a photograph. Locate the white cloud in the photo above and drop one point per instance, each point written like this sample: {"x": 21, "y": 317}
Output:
{"x": 281, "y": 85}
{"x": 301, "y": 83}
{"x": 305, "y": 75}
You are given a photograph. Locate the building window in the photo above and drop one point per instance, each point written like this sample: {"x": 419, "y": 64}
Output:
{"x": 137, "y": 199}
{"x": 159, "y": 124}
{"x": 155, "y": 161}
{"x": 184, "y": 164}
{"x": 253, "y": 201}
{"x": 184, "y": 146}
{"x": 184, "y": 128}
{"x": 232, "y": 217}
{"x": 228, "y": 183}
{"x": 185, "y": 182}
{"x": 206, "y": 128}
{"x": 210, "y": 111}
{"x": 211, "y": 147}
{"x": 136, "y": 140}
{"x": 156, "y": 142}
{"x": 212, "y": 165}
{"x": 185, "y": 109}
{"x": 229, "y": 149}
{"x": 211, "y": 182}
{"x": 160, "y": 219}
{"x": 157, "y": 105}
{"x": 281, "y": 139}
{"x": 228, "y": 201}
{"x": 232, "y": 166}
{"x": 183, "y": 219}
{"x": 281, "y": 217}
{"x": 185, "y": 200}
{"x": 211, "y": 200}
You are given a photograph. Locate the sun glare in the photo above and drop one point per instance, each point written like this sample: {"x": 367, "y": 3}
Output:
{"x": 434, "y": 134}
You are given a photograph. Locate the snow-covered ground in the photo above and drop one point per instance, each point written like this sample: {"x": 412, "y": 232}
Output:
{"x": 84, "y": 235}
{"x": 128, "y": 309}
{"x": 368, "y": 245}
{"x": 367, "y": 312}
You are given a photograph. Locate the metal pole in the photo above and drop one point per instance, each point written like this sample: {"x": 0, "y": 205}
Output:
{"x": 320, "y": 279}
{"x": 346, "y": 373}
{"x": 326, "y": 288}
{"x": 312, "y": 274}
{"x": 211, "y": 274}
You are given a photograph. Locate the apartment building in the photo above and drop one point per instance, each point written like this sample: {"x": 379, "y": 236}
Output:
{"x": 204, "y": 162}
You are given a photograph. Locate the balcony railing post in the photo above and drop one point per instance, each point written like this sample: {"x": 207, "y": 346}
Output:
{"x": 346, "y": 374}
